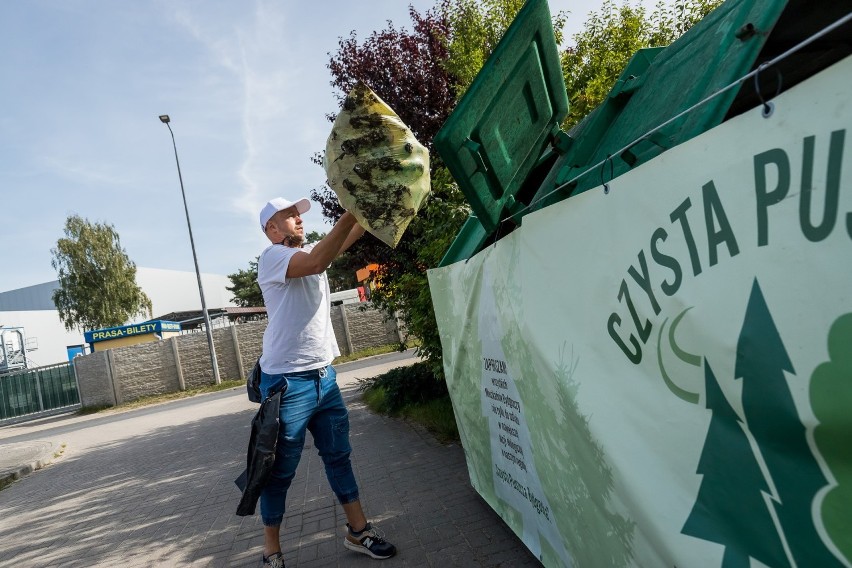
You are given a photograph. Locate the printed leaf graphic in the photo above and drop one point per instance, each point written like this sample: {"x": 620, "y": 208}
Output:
{"x": 831, "y": 399}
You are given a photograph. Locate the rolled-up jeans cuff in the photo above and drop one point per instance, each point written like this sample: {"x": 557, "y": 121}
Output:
{"x": 346, "y": 499}
{"x": 272, "y": 522}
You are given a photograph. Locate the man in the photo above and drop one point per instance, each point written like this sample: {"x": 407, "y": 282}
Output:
{"x": 298, "y": 347}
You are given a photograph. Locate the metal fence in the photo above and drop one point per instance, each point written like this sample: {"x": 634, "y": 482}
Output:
{"x": 37, "y": 391}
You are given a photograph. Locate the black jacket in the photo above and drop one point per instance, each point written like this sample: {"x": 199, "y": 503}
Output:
{"x": 261, "y": 453}
{"x": 253, "y": 383}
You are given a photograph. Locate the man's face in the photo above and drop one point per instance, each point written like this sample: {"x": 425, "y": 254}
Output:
{"x": 286, "y": 225}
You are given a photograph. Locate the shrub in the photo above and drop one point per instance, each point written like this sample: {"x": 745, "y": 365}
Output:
{"x": 415, "y": 384}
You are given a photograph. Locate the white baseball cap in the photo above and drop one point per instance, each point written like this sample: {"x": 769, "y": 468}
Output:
{"x": 275, "y": 205}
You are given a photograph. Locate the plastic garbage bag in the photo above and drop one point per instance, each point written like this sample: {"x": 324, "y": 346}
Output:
{"x": 378, "y": 170}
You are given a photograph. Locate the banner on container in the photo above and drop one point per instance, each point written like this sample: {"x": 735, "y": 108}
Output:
{"x": 662, "y": 375}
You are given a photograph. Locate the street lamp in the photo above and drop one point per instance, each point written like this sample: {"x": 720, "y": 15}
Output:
{"x": 164, "y": 118}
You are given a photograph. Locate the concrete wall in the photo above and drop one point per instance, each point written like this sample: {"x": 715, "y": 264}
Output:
{"x": 144, "y": 369}
{"x": 107, "y": 378}
{"x": 359, "y": 326}
{"x": 94, "y": 378}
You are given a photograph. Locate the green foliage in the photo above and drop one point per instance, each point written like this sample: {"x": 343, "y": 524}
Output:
{"x": 437, "y": 416}
{"x": 376, "y": 399}
{"x": 341, "y": 273}
{"x": 403, "y": 386}
{"x": 476, "y": 28}
{"x": 671, "y": 22}
{"x": 313, "y": 237}
{"x": 415, "y": 394}
{"x": 245, "y": 287}
{"x": 611, "y": 37}
{"x": 97, "y": 280}
{"x": 404, "y": 288}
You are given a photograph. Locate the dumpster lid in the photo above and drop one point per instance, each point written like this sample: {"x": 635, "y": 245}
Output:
{"x": 510, "y": 113}
{"x": 714, "y": 53}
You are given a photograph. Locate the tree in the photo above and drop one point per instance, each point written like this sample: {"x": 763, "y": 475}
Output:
{"x": 313, "y": 237}
{"x": 476, "y": 27}
{"x": 610, "y": 38}
{"x": 97, "y": 280}
{"x": 341, "y": 273}
{"x": 406, "y": 70}
{"x": 245, "y": 287}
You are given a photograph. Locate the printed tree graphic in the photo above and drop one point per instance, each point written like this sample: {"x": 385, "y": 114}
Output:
{"x": 772, "y": 418}
{"x": 570, "y": 462}
{"x": 730, "y": 508}
{"x": 831, "y": 399}
{"x": 577, "y": 474}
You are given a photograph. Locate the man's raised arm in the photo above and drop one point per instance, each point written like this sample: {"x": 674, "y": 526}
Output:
{"x": 319, "y": 258}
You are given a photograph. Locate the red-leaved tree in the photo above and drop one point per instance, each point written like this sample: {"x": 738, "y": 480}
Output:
{"x": 406, "y": 69}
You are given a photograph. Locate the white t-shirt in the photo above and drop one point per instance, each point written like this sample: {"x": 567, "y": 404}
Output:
{"x": 299, "y": 336}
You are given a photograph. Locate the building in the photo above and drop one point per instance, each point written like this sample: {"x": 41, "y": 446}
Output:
{"x": 32, "y": 309}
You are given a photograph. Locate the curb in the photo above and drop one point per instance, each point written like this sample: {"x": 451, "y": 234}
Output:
{"x": 27, "y": 457}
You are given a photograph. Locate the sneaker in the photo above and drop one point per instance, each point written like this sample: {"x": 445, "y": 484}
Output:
{"x": 274, "y": 561}
{"x": 370, "y": 542}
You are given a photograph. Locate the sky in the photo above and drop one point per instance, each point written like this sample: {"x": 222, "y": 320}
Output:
{"x": 246, "y": 86}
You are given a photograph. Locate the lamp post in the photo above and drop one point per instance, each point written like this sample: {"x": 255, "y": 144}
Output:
{"x": 164, "y": 118}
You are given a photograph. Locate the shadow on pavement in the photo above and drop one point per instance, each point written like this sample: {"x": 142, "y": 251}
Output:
{"x": 167, "y": 497}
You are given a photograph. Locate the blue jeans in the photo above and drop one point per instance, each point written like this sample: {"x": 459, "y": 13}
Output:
{"x": 312, "y": 402}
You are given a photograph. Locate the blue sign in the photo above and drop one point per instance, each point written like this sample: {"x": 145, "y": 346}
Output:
{"x": 157, "y": 326}
{"x": 75, "y": 351}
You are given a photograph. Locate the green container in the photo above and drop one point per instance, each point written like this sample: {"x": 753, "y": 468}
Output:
{"x": 658, "y": 84}
{"x": 503, "y": 144}
{"x": 508, "y": 116}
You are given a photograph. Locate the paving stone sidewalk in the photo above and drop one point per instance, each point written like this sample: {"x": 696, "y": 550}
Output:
{"x": 154, "y": 487}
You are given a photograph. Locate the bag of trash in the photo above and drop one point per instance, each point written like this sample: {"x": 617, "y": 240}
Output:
{"x": 378, "y": 170}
